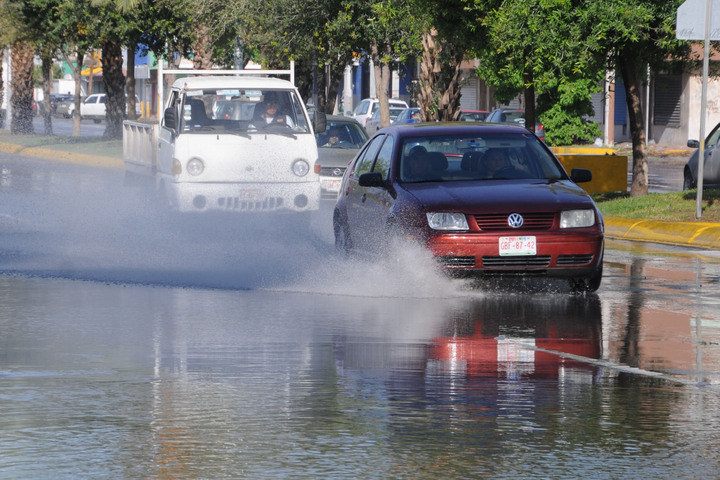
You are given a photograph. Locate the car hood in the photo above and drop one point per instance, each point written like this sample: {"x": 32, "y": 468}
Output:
{"x": 500, "y": 196}
{"x": 336, "y": 157}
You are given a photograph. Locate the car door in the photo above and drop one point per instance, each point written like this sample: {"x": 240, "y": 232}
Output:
{"x": 711, "y": 166}
{"x": 378, "y": 201}
{"x": 356, "y": 195}
{"x": 89, "y": 106}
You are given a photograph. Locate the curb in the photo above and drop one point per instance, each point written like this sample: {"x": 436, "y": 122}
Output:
{"x": 62, "y": 156}
{"x": 700, "y": 235}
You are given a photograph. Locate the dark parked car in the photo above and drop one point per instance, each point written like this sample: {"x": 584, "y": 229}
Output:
{"x": 337, "y": 146}
{"x": 409, "y": 115}
{"x": 514, "y": 116}
{"x": 484, "y": 199}
{"x": 711, "y": 164}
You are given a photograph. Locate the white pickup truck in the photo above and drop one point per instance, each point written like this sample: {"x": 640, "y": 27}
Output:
{"x": 216, "y": 148}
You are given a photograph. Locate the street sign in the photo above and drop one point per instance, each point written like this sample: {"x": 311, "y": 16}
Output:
{"x": 691, "y": 20}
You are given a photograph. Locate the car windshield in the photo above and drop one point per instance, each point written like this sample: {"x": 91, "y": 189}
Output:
{"x": 238, "y": 110}
{"x": 342, "y": 135}
{"x": 450, "y": 158}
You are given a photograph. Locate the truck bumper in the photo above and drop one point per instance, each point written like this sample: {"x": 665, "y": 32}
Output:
{"x": 244, "y": 197}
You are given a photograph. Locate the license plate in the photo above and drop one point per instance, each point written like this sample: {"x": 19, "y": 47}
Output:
{"x": 331, "y": 185}
{"x": 518, "y": 246}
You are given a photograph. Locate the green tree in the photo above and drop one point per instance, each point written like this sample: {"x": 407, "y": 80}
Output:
{"x": 633, "y": 35}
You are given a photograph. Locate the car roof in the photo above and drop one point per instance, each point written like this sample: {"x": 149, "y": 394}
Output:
{"x": 227, "y": 81}
{"x": 451, "y": 128}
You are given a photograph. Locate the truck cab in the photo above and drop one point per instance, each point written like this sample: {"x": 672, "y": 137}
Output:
{"x": 237, "y": 143}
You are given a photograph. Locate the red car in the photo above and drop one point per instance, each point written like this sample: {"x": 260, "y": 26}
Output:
{"x": 485, "y": 199}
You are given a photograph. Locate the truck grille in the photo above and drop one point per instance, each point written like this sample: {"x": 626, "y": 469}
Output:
{"x": 532, "y": 221}
{"x": 236, "y": 203}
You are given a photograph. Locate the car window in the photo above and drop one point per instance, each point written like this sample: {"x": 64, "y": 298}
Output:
{"x": 384, "y": 158}
{"x": 362, "y": 108}
{"x": 468, "y": 158}
{"x": 365, "y": 161}
{"x": 101, "y": 99}
{"x": 712, "y": 139}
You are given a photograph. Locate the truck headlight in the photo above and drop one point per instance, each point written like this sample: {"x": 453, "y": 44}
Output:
{"x": 447, "y": 221}
{"x": 195, "y": 166}
{"x": 300, "y": 168}
{"x": 577, "y": 218}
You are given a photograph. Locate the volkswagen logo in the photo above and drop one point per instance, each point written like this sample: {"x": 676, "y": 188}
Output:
{"x": 515, "y": 220}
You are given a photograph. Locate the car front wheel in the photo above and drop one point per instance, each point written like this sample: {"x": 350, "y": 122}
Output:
{"x": 688, "y": 182}
{"x": 587, "y": 284}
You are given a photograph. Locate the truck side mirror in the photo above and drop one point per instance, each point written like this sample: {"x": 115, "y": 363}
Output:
{"x": 171, "y": 118}
{"x": 319, "y": 121}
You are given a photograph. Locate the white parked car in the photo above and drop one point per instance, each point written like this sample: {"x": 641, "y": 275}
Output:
{"x": 93, "y": 107}
{"x": 365, "y": 109}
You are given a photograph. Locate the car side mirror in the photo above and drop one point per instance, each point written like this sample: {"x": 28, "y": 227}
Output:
{"x": 371, "y": 179}
{"x": 580, "y": 175}
{"x": 693, "y": 144}
{"x": 319, "y": 121}
{"x": 170, "y": 118}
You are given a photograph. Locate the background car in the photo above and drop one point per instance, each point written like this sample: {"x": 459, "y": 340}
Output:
{"x": 333, "y": 158}
{"x": 374, "y": 124}
{"x": 515, "y": 116}
{"x": 409, "y": 115}
{"x": 435, "y": 185}
{"x": 63, "y": 105}
{"x": 711, "y": 164}
{"x": 474, "y": 115}
{"x": 93, "y": 107}
{"x": 365, "y": 109}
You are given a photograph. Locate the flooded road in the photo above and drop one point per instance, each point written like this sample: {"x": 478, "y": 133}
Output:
{"x": 135, "y": 345}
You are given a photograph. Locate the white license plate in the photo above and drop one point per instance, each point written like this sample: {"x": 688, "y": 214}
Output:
{"x": 331, "y": 185}
{"x": 518, "y": 245}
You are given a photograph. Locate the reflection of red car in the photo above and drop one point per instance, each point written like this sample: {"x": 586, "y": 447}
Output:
{"x": 484, "y": 199}
{"x": 499, "y": 344}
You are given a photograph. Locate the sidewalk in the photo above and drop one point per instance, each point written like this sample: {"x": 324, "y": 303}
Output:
{"x": 697, "y": 235}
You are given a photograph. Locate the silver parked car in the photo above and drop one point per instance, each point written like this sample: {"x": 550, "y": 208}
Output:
{"x": 711, "y": 164}
{"x": 337, "y": 146}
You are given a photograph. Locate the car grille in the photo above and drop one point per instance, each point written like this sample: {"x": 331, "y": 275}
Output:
{"x": 456, "y": 262}
{"x": 532, "y": 221}
{"x": 537, "y": 261}
{"x": 236, "y": 203}
{"x": 574, "y": 259}
{"x": 332, "y": 171}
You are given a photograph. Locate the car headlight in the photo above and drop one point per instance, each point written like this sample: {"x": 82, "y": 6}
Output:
{"x": 195, "y": 166}
{"x": 577, "y": 218}
{"x": 300, "y": 168}
{"x": 447, "y": 221}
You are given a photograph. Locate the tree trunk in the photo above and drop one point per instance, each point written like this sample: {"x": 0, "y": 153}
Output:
{"x": 47, "y": 81}
{"x": 440, "y": 83}
{"x": 130, "y": 84}
{"x": 529, "y": 93}
{"x": 21, "y": 84}
{"x": 631, "y": 79}
{"x": 382, "y": 82}
{"x": 77, "y": 77}
{"x": 114, "y": 81}
{"x": 202, "y": 48}
{"x": 2, "y": 87}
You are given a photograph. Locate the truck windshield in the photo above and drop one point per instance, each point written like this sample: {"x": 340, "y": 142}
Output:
{"x": 251, "y": 111}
